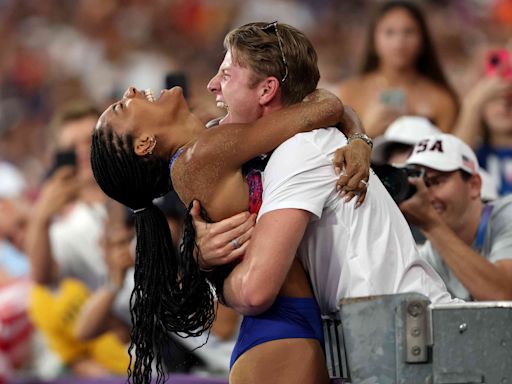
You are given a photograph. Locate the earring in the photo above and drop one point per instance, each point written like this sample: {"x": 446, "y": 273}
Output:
{"x": 153, "y": 142}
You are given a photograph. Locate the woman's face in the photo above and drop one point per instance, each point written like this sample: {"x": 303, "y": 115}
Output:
{"x": 497, "y": 115}
{"x": 139, "y": 113}
{"x": 397, "y": 39}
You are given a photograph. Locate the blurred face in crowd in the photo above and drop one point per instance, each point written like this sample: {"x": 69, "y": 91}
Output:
{"x": 498, "y": 115}
{"x": 76, "y": 135}
{"x": 234, "y": 90}
{"x": 451, "y": 195}
{"x": 14, "y": 214}
{"x": 397, "y": 39}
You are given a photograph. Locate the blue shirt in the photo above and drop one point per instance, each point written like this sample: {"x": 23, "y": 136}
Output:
{"x": 498, "y": 162}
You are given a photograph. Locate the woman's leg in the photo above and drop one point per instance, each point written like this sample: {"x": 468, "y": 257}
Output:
{"x": 281, "y": 361}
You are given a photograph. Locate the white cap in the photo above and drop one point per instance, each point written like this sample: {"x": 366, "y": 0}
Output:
{"x": 445, "y": 153}
{"x": 404, "y": 130}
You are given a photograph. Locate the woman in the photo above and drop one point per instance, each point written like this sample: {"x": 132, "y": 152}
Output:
{"x": 401, "y": 74}
{"x": 485, "y": 123}
{"x": 132, "y": 145}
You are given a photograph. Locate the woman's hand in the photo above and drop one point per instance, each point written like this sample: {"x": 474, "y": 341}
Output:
{"x": 352, "y": 162}
{"x": 223, "y": 242}
{"x": 378, "y": 117}
{"x": 487, "y": 89}
{"x": 352, "y": 165}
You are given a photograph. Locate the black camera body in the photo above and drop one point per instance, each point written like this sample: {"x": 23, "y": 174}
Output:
{"x": 396, "y": 180}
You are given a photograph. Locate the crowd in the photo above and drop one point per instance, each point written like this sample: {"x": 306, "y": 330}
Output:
{"x": 430, "y": 80}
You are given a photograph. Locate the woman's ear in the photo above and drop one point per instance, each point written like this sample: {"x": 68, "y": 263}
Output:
{"x": 268, "y": 89}
{"x": 144, "y": 145}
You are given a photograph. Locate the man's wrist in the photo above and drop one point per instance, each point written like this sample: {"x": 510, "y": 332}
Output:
{"x": 360, "y": 136}
{"x": 112, "y": 286}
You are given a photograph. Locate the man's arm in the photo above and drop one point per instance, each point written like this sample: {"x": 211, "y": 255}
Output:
{"x": 254, "y": 283}
{"x": 483, "y": 279}
{"x": 61, "y": 189}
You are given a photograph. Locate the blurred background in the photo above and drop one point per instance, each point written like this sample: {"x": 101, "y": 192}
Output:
{"x": 55, "y": 50}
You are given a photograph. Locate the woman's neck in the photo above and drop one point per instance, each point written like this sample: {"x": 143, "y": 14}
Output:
{"x": 183, "y": 133}
{"x": 393, "y": 77}
{"x": 501, "y": 140}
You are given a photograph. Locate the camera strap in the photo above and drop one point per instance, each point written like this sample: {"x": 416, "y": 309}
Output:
{"x": 482, "y": 227}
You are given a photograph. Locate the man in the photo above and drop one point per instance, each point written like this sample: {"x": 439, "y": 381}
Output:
{"x": 347, "y": 252}
{"x": 63, "y": 245}
{"x": 469, "y": 242}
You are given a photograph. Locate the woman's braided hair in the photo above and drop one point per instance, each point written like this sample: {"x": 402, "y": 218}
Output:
{"x": 171, "y": 294}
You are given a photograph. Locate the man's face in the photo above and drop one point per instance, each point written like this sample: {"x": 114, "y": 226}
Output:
{"x": 233, "y": 91}
{"x": 451, "y": 195}
{"x": 76, "y": 135}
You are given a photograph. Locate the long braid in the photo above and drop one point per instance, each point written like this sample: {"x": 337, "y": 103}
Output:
{"x": 171, "y": 294}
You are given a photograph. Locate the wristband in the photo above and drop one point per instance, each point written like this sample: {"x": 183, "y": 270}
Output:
{"x": 360, "y": 136}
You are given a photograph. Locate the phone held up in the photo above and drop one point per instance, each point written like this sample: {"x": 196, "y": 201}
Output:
{"x": 61, "y": 159}
{"x": 499, "y": 62}
{"x": 393, "y": 98}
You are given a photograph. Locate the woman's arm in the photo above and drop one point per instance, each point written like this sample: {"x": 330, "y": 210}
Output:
{"x": 231, "y": 145}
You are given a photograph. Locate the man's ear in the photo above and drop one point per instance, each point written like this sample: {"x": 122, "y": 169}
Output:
{"x": 144, "y": 145}
{"x": 475, "y": 184}
{"x": 268, "y": 89}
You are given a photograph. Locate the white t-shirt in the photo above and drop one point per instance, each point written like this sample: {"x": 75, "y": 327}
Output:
{"x": 347, "y": 252}
{"x": 75, "y": 243}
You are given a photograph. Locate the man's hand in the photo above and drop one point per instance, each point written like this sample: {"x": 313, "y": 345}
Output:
{"x": 418, "y": 210}
{"x": 223, "y": 242}
{"x": 62, "y": 188}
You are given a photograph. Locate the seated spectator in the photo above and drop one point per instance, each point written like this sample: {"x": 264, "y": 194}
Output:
{"x": 469, "y": 242}
{"x": 396, "y": 144}
{"x": 400, "y": 74}
{"x": 485, "y": 124}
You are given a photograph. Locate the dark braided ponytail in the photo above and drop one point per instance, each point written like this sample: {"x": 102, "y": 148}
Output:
{"x": 171, "y": 294}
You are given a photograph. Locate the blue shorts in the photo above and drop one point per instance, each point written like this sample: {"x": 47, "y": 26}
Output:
{"x": 287, "y": 318}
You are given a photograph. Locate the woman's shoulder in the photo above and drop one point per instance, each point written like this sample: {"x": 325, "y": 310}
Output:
{"x": 436, "y": 92}
{"x": 354, "y": 89}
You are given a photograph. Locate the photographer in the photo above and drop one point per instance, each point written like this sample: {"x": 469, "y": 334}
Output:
{"x": 469, "y": 242}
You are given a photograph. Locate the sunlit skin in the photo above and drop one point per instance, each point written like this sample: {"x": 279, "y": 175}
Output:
{"x": 397, "y": 40}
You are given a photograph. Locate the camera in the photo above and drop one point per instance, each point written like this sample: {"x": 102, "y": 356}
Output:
{"x": 396, "y": 180}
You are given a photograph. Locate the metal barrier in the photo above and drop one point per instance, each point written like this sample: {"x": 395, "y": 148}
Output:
{"x": 402, "y": 339}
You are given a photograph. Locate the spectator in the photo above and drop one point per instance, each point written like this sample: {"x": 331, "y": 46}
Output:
{"x": 401, "y": 74}
{"x": 396, "y": 144}
{"x": 469, "y": 242}
{"x": 63, "y": 242}
{"x": 485, "y": 123}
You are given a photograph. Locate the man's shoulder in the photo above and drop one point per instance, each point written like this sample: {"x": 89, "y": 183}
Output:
{"x": 502, "y": 204}
{"x": 321, "y": 138}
